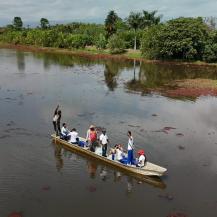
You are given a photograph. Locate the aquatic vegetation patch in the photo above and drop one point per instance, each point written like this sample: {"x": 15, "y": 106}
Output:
{"x": 91, "y": 188}
{"x": 46, "y": 188}
{"x": 192, "y": 88}
{"x": 15, "y": 214}
{"x": 177, "y": 214}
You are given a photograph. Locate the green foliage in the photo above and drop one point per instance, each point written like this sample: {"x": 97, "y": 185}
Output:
{"x": 151, "y": 44}
{"x": 110, "y": 23}
{"x": 116, "y": 45}
{"x": 135, "y": 20}
{"x": 182, "y": 38}
{"x": 101, "y": 42}
{"x": 44, "y": 23}
{"x": 210, "y": 52}
{"x": 17, "y": 23}
{"x": 76, "y": 41}
{"x": 150, "y": 18}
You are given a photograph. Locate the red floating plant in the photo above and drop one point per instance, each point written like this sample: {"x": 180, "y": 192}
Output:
{"x": 15, "y": 214}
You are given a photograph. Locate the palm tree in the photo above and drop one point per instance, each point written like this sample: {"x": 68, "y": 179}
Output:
{"x": 110, "y": 23}
{"x": 149, "y": 18}
{"x": 135, "y": 21}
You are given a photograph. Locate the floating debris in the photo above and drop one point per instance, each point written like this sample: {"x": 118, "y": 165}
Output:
{"x": 169, "y": 128}
{"x": 179, "y": 134}
{"x": 130, "y": 125}
{"x": 166, "y": 130}
{"x": 154, "y": 115}
{"x": 181, "y": 147}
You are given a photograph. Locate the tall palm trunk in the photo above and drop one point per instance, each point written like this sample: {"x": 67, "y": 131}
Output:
{"x": 135, "y": 43}
{"x": 135, "y": 40}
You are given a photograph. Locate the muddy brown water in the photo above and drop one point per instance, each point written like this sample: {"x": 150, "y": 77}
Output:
{"x": 38, "y": 178}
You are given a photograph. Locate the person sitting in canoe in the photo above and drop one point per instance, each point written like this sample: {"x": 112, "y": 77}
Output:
{"x": 119, "y": 155}
{"x": 65, "y": 132}
{"x": 91, "y": 138}
{"x": 104, "y": 142}
{"x": 74, "y": 139}
{"x": 130, "y": 148}
{"x": 112, "y": 152}
{"x": 142, "y": 159}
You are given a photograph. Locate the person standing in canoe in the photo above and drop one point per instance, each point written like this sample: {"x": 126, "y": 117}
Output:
{"x": 104, "y": 142}
{"x": 91, "y": 137}
{"x": 56, "y": 120}
{"x": 130, "y": 148}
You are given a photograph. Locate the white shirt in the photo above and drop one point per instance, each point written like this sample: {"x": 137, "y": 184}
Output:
{"x": 88, "y": 135}
{"x": 103, "y": 138}
{"x": 64, "y": 131}
{"x": 74, "y": 136}
{"x": 119, "y": 154}
{"x": 141, "y": 161}
{"x": 130, "y": 144}
{"x": 55, "y": 117}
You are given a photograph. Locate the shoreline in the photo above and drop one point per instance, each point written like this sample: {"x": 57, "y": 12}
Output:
{"x": 130, "y": 55}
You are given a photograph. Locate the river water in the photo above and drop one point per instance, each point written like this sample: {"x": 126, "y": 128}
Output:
{"x": 40, "y": 179}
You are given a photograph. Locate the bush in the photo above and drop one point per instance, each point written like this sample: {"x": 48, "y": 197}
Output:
{"x": 116, "y": 45}
{"x": 151, "y": 44}
{"x": 101, "y": 42}
{"x": 76, "y": 41}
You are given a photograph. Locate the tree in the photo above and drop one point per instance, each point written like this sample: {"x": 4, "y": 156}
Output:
{"x": 182, "y": 38}
{"x": 135, "y": 22}
{"x": 110, "y": 23}
{"x": 18, "y": 23}
{"x": 149, "y": 18}
{"x": 210, "y": 52}
{"x": 44, "y": 23}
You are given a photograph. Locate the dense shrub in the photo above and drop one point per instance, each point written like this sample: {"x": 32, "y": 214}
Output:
{"x": 116, "y": 44}
{"x": 76, "y": 41}
{"x": 101, "y": 42}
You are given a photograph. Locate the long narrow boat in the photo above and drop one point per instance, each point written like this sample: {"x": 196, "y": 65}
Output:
{"x": 149, "y": 169}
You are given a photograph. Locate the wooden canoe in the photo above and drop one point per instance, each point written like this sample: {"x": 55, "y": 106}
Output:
{"x": 149, "y": 169}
